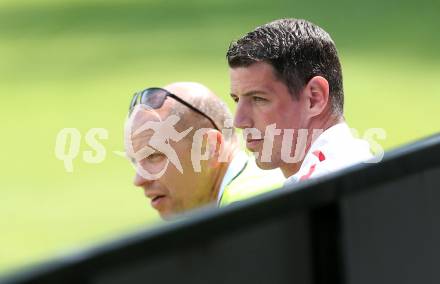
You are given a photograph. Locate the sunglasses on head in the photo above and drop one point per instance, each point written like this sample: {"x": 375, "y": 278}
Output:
{"x": 155, "y": 97}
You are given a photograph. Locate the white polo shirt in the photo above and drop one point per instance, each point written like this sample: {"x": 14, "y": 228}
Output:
{"x": 334, "y": 149}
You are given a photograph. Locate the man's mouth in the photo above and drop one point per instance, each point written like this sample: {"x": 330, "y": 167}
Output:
{"x": 252, "y": 144}
{"x": 156, "y": 201}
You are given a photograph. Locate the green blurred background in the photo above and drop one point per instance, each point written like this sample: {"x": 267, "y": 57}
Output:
{"x": 76, "y": 64}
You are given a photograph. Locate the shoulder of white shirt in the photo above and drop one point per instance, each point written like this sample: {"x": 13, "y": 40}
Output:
{"x": 334, "y": 149}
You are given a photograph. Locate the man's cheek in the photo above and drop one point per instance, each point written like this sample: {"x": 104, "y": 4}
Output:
{"x": 167, "y": 209}
{"x": 186, "y": 200}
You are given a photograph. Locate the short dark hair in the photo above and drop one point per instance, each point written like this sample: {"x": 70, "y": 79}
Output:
{"x": 298, "y": 50}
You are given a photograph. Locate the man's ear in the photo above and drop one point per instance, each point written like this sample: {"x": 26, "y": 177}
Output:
{"x": 317, "y": 95}
{"x": 214, "y": 145}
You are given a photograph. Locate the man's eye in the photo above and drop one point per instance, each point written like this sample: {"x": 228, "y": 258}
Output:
{"x": 259, "y": 99}
{"x": 155, "y": 157}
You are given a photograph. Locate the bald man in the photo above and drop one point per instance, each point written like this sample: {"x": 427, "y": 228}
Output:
{"x": 186, "y": 153}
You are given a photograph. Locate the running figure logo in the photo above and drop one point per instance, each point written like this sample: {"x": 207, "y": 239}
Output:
{"x": 163, "y": 133}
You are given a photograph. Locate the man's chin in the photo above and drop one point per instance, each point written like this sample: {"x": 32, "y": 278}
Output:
{"x": 166, "y": 216}
{"x": 170, "y": 214}
{"x": 265, "y": 165}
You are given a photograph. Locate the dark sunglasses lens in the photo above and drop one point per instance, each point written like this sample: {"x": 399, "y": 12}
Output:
{"x": 153, "y": 98}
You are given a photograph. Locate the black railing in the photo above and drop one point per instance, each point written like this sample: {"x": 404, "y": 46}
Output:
{"x": 372, "y": 223}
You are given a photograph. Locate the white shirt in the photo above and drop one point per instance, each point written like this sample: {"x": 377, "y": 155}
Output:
{"x": 334, "y": 149}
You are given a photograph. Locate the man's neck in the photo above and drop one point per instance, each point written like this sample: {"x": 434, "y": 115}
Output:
{"x": 290, "y": 169}
{"x": 323, "y": 123}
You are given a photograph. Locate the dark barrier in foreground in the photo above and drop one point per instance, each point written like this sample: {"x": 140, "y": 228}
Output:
{"x": 373, "y": 223}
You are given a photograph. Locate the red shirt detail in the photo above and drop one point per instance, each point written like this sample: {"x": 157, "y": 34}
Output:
{"x": 320, "y": 155}
{"x": 321, "y": 158}
{"x": 311, "y": 170}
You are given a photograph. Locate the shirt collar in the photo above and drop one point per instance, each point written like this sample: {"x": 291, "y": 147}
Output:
{"x": 338, "y": 131}
{"x": 235, "y": 167}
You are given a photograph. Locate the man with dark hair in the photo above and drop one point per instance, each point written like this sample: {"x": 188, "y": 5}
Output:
{"x": 286, "y": 79}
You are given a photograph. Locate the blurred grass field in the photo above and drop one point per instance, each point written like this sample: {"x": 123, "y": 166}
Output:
{"x": 76, "y": 64}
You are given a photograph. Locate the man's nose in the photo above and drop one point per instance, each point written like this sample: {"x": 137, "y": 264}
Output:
{"x": 242, "y": 118}
{"x": 140, "y": 181}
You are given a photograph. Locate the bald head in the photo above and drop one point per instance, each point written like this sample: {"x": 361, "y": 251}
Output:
{"x": 202, "y": 98}
{"x": 188, "y": 90}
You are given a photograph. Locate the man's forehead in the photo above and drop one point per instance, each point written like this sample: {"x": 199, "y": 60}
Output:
{"x": 137, "y": 133}
{"x": 142, "y": 114}
{"x": 141, "y": 139}
{"x": 142, "y": 134}
{"x": 256, "y": 77}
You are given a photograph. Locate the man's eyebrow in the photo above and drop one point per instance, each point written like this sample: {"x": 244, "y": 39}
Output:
{"x": 250, "y": 93}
